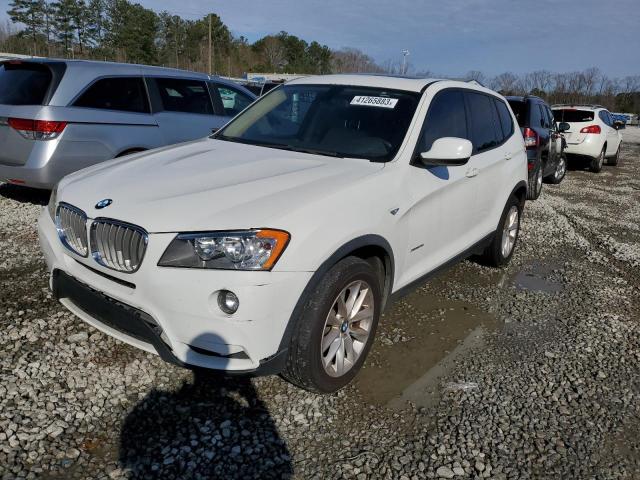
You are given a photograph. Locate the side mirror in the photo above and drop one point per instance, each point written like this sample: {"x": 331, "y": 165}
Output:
{"x": 563, "y": 127}
{"x": 618, "y": 125}
{"x": 448, "y": 152}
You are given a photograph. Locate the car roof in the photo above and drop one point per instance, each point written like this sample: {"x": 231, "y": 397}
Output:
{"x": 410, "y": 84}
{"x": 115, "y": 68}
{"x": 523, "y": 98}
{"x": 581, "y": 107}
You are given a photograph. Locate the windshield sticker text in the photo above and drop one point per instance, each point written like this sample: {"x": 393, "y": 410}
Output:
{"x": 374, "y": 101}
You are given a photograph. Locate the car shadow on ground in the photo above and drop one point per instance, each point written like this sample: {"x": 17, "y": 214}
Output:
{"x": 213, "y": 427}
{"x": 25, "y": 194}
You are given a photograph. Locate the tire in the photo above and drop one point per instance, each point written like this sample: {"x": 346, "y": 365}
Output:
{"x": 494, "y": 255}
{"x": 535, "y": 184}
{"x": 310, "y": 362}
{"x": 559, "y": 173}
{"x": 597, "y": 162}
{"x": 613, "y": 161}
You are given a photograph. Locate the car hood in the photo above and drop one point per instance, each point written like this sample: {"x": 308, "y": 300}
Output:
{"x": 210, "y": 185}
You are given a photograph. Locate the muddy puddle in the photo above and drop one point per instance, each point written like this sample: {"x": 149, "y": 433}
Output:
{"x": 418, "y": 342}
{"x": 538, "y": 277}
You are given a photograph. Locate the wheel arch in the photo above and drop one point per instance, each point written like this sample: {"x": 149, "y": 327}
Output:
{"x": 520, "y": 192}
{"x": 373, "y": 248}
{"x": 129, "y": 151}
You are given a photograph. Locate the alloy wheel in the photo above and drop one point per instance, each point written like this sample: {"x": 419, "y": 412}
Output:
{"x": 561, "y": 169}
{"x": 539, "y": 181}
{"x": 347, "y": 328}
{"x": 510, "y": 231}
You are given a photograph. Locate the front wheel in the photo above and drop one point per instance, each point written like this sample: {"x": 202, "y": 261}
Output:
{"x": 596, "y": 163}
{"x": 561, "y": 170}
{"x": 332, "y": 337}
{"x": 500, "y": 251}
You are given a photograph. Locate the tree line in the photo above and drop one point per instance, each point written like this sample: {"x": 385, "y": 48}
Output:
{"x": 120, "y": 30}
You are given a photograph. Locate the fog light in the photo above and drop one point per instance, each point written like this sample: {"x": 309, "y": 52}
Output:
{"x": 228, "y": 302}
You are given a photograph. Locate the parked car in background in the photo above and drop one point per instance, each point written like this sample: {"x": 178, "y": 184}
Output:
{"x": 59, "y": 116}
{"x": 543, "y": 142}
{"x": 592, "y": 133}
{"x": 260, "y": 88}
{"x": 275, "y": 245}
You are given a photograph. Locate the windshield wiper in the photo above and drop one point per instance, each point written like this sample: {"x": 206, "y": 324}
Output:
{"x": 281, "y": 146}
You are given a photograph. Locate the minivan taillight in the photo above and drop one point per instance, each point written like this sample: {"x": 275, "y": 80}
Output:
{"x": 591, "y": 129}
{"x": 37, "y": 129}
{"x": 530, "y": 138}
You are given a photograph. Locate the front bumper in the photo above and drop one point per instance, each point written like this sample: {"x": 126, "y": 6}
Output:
{"x": 173, "y": 311}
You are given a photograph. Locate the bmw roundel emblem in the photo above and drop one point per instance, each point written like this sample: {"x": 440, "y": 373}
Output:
{"x": 104, "y": 203}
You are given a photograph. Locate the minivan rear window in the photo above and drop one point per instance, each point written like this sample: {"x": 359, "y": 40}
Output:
{"x": 572, "y": 115}
{"x": 520, "y": 111}
{"x": 24, "y": 83}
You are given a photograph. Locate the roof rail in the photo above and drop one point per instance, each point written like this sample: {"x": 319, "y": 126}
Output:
{"x": 587, "y": 105}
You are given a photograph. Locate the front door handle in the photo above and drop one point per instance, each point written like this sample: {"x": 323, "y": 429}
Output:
{"x": 472, "y": 172}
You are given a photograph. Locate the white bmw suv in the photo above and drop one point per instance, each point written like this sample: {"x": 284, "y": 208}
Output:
{"x": 274, "y": 245}
{"x": 590, "y": 131}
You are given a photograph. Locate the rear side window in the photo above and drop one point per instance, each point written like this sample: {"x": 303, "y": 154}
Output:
{"x": 125, "y": 94}
{"x": 233, "y": 100}
{"x": 604, "y": 116}
{"x": 186, "y": 96}
{"x": 24, "y": 83}
{"x": 535, "y": 116}
{"x": 446, "y": 118}
{"x": 485, "y": 125}
{"x": 572, "y": 115}
{"x": 545, "y": 122}
{"x": 505, "y": 119}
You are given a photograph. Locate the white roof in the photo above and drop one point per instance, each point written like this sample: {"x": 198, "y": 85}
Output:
{"x": 380, "y": 81}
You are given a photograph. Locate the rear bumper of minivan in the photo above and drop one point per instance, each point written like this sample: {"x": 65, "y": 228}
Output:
{"x": 44, "y": 176}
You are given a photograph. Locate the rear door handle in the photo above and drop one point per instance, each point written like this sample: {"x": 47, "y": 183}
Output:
{"x": 472, "y": 172}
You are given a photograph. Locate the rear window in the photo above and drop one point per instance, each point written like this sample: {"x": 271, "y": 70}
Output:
{"x": 572, "y": 115}
{"x": 520, "y": 111}
{"x": 125, "y": 94}
{"x": 24, "y": 83}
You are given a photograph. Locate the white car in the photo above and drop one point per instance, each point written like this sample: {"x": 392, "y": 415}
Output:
{"x": 275, "y": 245}
{"x": 590, "y": 131}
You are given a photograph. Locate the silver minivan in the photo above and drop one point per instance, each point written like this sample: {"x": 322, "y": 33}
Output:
{"x": 58, "y": 116}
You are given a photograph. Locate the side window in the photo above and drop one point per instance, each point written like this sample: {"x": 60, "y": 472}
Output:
{"x": 544, "y": 121}
{"x": 233, "y": 101}
{"x": 186, "y": 96}
{"x": 446, "y": 118}
{"x": 485, "y": 125}
{"x": 535, "y": 115}
{"x": 126, "y": 94}
{"x": 506, "y": 122}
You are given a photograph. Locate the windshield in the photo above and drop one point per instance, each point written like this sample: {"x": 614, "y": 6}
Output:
{"x": 335, "y": 120}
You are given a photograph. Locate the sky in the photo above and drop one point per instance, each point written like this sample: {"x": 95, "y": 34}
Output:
{"x": 446, "y": 37}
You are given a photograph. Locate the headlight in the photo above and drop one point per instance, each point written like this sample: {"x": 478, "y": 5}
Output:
{"x": 51, "y": 206}
{"x": 237, "y": 250}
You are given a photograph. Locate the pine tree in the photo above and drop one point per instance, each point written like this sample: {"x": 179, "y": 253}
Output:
{"x": 31, "y": 14}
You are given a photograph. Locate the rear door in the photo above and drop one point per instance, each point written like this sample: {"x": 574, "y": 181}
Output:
{"x": 25, "y": 87}
{"x": 577, "y": 120}
{"x": 183, "y": 108}
{"x": 492, "y": 148}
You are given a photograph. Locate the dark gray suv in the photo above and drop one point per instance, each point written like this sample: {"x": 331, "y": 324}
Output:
{"x": 59, "y": 116}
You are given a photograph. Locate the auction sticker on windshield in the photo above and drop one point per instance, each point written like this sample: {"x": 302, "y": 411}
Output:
{"x": 383, "y": 102}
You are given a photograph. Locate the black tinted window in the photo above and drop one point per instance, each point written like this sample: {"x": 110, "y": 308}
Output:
{"x": 446, "y": 118}
{"x": 544, "y": 121}
{"x": 519, "y": 111}
{"x": 188, "y": 96}
{"x": 484, "y": 122}
{"x": 119, "y": 93}
{"x": 233, "y": 100}
{"x": 505, "y": 118}
{"x": 24, "y": 83}
{"x": 535, "y": 116}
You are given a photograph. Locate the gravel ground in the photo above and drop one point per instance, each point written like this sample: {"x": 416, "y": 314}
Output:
{"x": 549, "y": 391}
